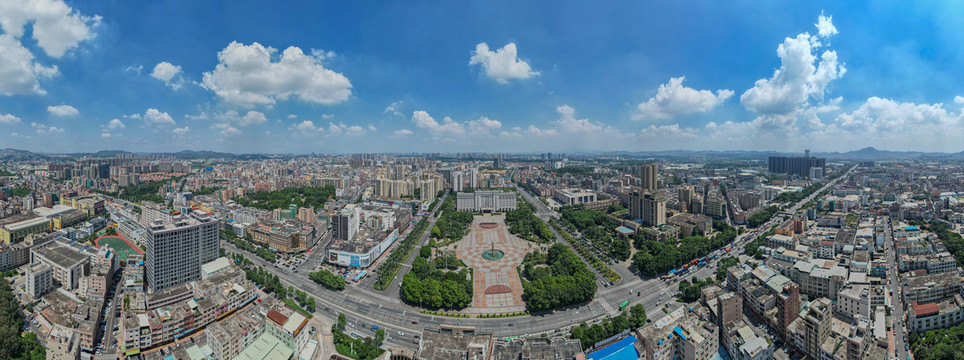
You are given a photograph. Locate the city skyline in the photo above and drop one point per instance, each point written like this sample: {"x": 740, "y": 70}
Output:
{"x": 419, "y": 77}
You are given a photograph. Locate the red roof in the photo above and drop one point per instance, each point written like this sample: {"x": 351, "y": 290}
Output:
{"x": 925, "y": 309}
{"x": 277, "y": 317}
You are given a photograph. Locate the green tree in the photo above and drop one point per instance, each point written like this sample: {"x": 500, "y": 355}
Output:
{"x": 342, "y": 320}
{"x": 637, "y": 315}
{"x": 379, "y": 336}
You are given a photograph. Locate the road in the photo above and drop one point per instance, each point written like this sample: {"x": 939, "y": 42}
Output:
{"x": 893, "y": 284}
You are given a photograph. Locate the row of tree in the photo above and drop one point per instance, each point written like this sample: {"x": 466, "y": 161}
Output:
{"x": 600, "y": 229}
{"x": 590, "y": 335}
{"x": 328, "y": 279}
{"x": 523, "y": 223}
{"x": 563, "y": 279}
{"x": 436, "y": 284}
{"x": 453, "y": 225}
{"x": 388, "y": 269}
{"x": 304, "y": 196}
{"x": 794, "y": 197}
{"x": 762, "y": 216}
{"x": 270, "y": 283}
{"x": 12, "y": 344}
{"x": 656, "y": 257}
{"x": 246, "y": 245}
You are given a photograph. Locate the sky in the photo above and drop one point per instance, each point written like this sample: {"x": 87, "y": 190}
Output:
{"x": 491, "y": 76}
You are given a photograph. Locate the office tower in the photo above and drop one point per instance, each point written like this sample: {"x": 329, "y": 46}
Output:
{"x": 177, "y": 246}
{"x": 686, "y": 194}
{"x": 649, "y": 173}
{"x": 344, "y": 225}
{"x": 796, "y": 165}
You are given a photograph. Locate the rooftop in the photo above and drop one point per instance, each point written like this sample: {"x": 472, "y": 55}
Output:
{"x": 62, "y": 256}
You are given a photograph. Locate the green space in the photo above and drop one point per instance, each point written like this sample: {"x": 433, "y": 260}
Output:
{"x": 580, "y": 247}
{"x": 762, "y": 216}
{"x": 121, "y": 247}
{"x": 938, "y": 344}
{"x": 951, "y": 239}
{"x": 794, "y": 197}
{"x": 297, "y": 307}
{"x": 691, "y": 290}
{"x": 723, "y": 264}
{"x": 453, "y": 225}
{"x": 21, "y": 191}
{"x": 328, "y": 279}
{"x": 389, "y": 268}
{"x": 246, "y": 245}
{"x": 142, "y": 192}
{"x": 268, "y": 282}
{"x": 523, "y": 223}
{"x": 656, "y": 257}
{"x": 13, "y": 345}
{"x": 280, "y": 199}
{"x": 600, "y": 229}
{"x": 359, "y": 349}
{"x": 204, "y": 190}
{"x": 589, "y": 335}
{"x": 556, "y": 278}
{"x": 441, "y": 283}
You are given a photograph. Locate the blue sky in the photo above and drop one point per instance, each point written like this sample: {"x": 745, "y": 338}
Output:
{"x": 480, "y": 76}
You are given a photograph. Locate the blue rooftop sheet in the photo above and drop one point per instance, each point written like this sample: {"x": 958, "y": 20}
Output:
{"x": 620, "y": 350}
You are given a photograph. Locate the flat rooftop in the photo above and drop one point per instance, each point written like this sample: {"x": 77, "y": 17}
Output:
{"x": 364, "y": 240}
{"x": 62, "y": 256}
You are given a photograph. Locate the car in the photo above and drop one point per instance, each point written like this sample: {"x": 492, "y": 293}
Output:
{"x": 400, "y": 333}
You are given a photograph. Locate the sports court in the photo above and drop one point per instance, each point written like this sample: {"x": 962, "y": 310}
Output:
{"x": 119, "y": 244}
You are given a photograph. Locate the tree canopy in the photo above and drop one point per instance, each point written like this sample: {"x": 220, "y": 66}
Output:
{"x": 557, "y": 278}
{"x": 523, "y": 223}
{"x": 655, "y": 257}
{"x": 304, "y": 196}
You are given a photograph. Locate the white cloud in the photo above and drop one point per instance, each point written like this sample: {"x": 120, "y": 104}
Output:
{"x": 501, "y": 65}
{"x": 116, "y": 124}
{"x": 44, "y": 129}
{"x": 63, "y": 110}
{"x": 306, "y": 126}
{"x": 56, "y": 27}
{"x": 879, "y": 116}
{"x": 341, "y": 128}
{"x": 674, "y": 99}
{"x": 19, "y": 74}
{"x": 654, "y": 132}
{"x": 153, "y": 117}
{"x": 825, "y": 26}
{"x": 181, "y": 130}
{"x": 797, "y": 80}
{"x": 22, "y": 136}
{"x": 250, "y": 118}
{"x": 448, "y": 126}
{"x": 403, "y": 132}
{"x": 165, "y": 71}
{"x": 245, "y": 75}
{"x": 227, "y": 129}
{"x": 9, "y": 119}
{"x": 483, "y": 126}
{"x": 394, "y": 108}
{"x": 372, "y": 128}
{"x": 105, "y": 135}
{"x": 959, "y": 99}
{"x": 327, "y": 116}
{"x": 292, "y": 116}
{"x": 135, "y": 69}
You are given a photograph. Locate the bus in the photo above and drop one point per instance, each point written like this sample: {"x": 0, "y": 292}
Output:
{"x": 623, "y": 305}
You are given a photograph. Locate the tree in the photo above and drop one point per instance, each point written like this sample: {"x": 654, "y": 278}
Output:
{"x": 342, "y": 320}
{"x": 637, "y": 315}
{"x": 379, "y": 336}
{"x": 425, "y": 251}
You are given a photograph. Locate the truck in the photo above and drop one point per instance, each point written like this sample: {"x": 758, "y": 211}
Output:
{"x": 728, "y": 248}
{"x": 672, "y": 271}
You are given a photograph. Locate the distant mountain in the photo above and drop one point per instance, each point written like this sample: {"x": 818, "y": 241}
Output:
{"x": 870, "y": 153}
{"x": 21, "y": 155}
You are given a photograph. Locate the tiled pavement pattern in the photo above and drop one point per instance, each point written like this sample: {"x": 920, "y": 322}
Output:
{"x": 490, "y": 273}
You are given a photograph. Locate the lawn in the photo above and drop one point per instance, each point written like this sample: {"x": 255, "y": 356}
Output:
{"x": 119, "y": 245}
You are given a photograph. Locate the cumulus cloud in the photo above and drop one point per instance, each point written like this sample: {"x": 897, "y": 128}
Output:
{"x": 667, "y": 131}
{"x": 63, "y": 110}
{"x": 483, "y": 126}
{"x": 154, "y": 117}
{"x": 959, "y": 99}
{"x": 394, "y": 108}
{"x": 503, "y": 64}
{"x": 57, "y": 28}
{"x": 105, "y": 135}
{"x": 403, "y": 132}
{"x": 181, "y": 130}
{"x": 9, "y": 119}
{"x": 165, "y": 71}
{"x": 342, "y": 129}
{"x": 306, "y": 126}
{"x": 115, "y": 124}
{"x": 674, "y": 99}
{"x": 20, "y": 73}
{"x": 800, "y": 77}
{"x": 825, "y": 26}
{"x": 44, "y": 129}
{"x": 250, "y": 118}
{"x": 247, "y": 76}
{"x": 227, "y": 129}
{"x": 423, "y": 120}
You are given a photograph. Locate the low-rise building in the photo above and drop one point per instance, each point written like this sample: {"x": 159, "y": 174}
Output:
{"x": 39, "y": 280}
{"x": 743, "y": 341}
{"x": 68, "y": 264}
{"x": 935, "y": 315}
{"x": 684, "y": 334}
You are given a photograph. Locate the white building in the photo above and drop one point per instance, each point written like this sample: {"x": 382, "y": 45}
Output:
{"x": 177, "y": 247}
{"x": 39, "y": 280}
{"x": 486, "y": 201}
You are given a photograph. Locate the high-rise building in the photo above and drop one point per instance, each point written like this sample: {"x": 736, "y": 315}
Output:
{"x": 686, "y": 193}
{"x": 788, "y": 306}
{"x": 649, "y": 173}
{"x": 654, "y": 210}
{"x": 796, "y": 165}
{"x": 177, "y": 246}
{"x": 817, "y": 323}
{"x": 344, "y": 225}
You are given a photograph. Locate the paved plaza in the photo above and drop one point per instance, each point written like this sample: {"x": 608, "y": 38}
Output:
{"x": 497, "y": 286}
